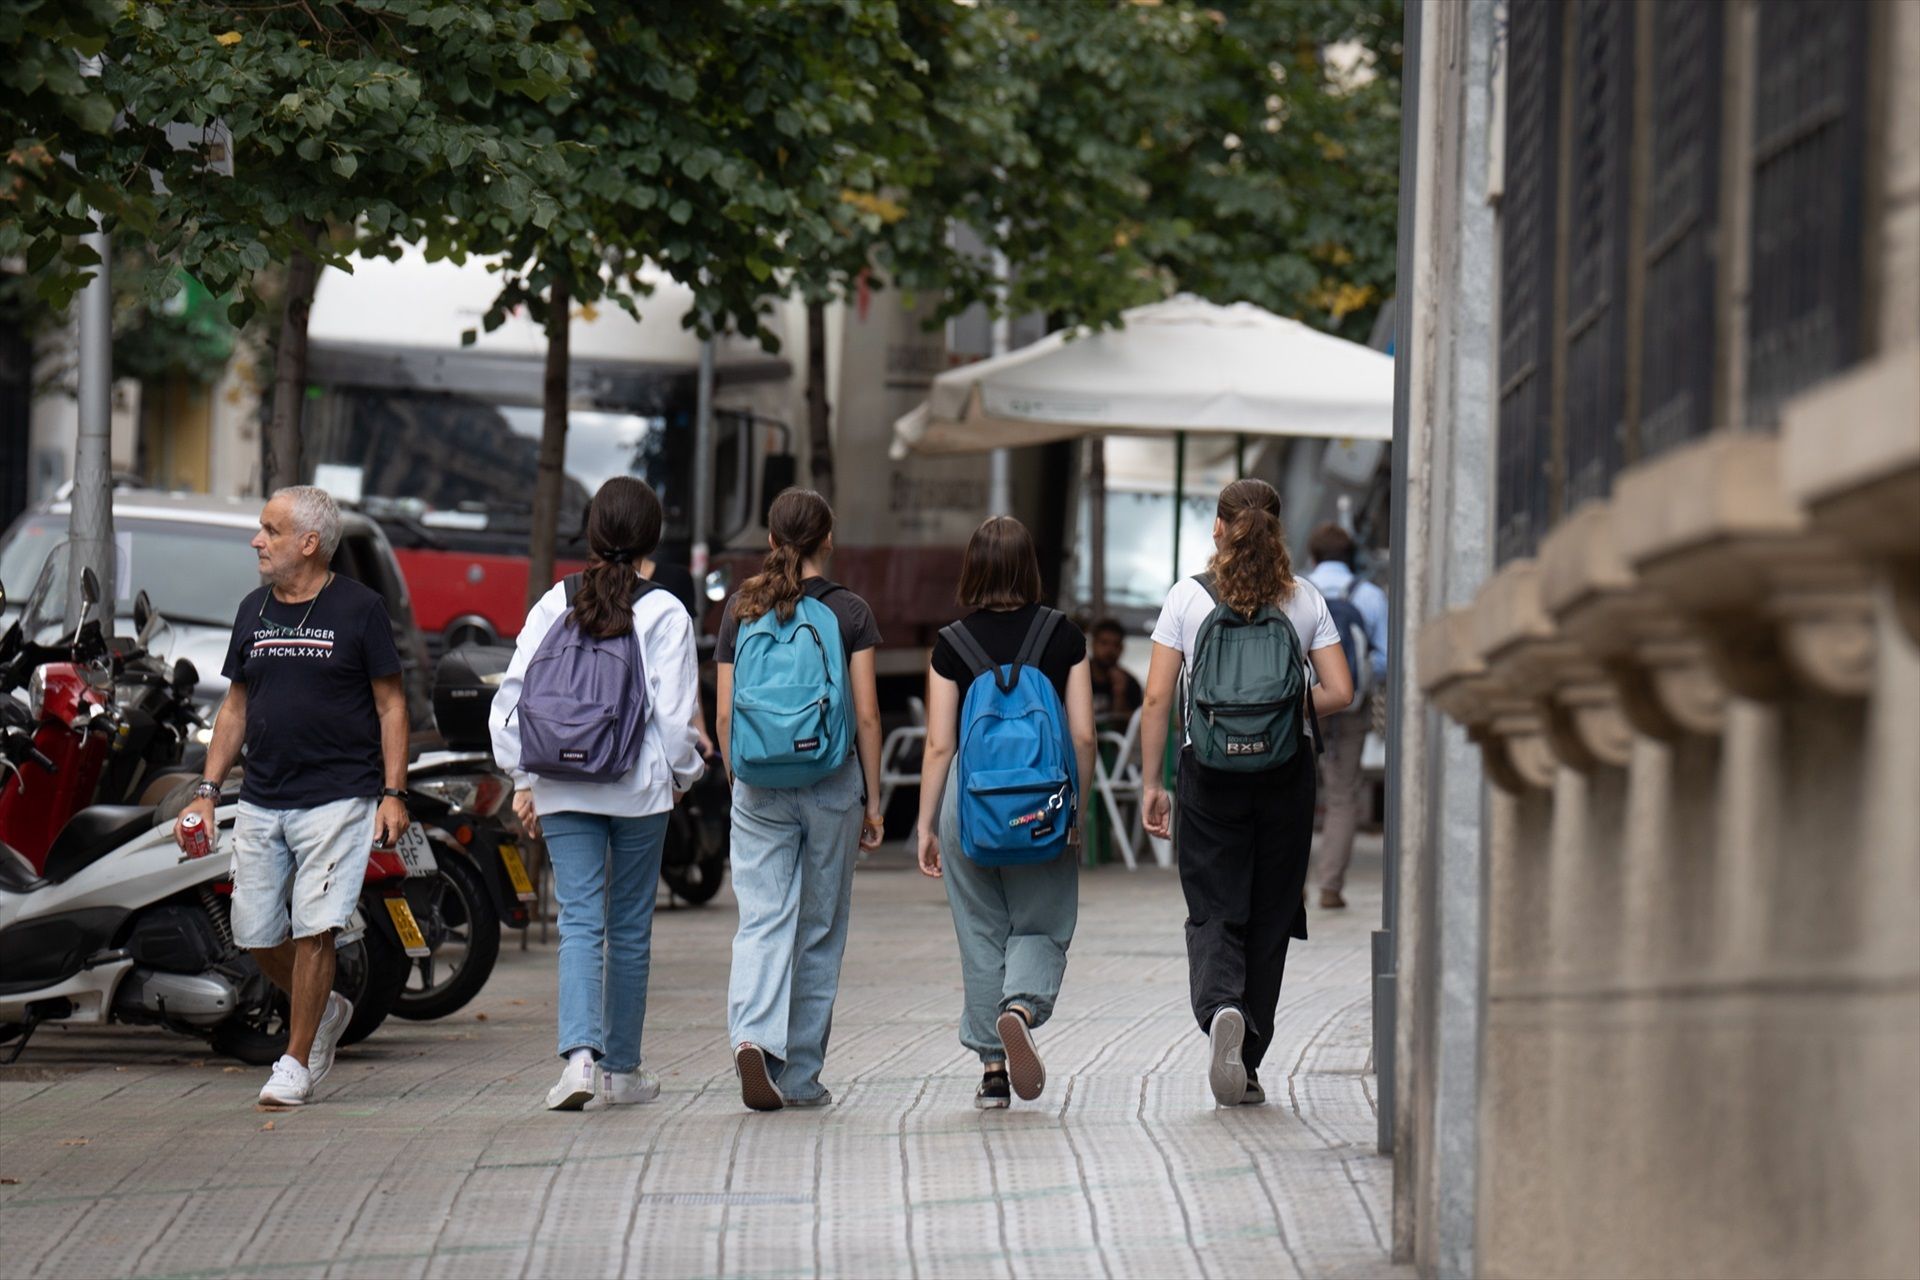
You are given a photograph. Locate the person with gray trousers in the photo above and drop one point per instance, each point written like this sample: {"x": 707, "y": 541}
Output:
{"x": 1014, "y": 923}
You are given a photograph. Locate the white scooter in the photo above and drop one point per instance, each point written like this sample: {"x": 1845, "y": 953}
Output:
{"x": 123, "y": 928}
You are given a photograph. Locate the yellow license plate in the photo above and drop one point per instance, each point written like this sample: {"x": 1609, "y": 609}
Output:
{"x": 407, "y": 927}
{"x": 517, "y": 872}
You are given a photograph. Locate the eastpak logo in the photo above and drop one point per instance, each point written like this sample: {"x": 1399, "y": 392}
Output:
{"x": 574, "y": 757}
{"x": 807, "y": 744}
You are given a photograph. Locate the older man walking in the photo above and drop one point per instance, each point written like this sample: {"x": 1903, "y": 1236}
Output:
{"x": 317, "y": 701}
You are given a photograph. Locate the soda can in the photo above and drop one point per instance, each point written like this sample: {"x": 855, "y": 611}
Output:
{"x": 194, "y": 837}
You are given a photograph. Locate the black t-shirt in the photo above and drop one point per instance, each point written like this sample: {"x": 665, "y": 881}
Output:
{"x": 1001, "y": 633}
{"x": 1104, "y": 707}
{"x": 313, "y": 736}
{"x": 858, "y": 630}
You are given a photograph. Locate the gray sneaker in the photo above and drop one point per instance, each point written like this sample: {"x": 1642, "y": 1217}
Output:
{"x": 1226, "y": 1071}
{"x": 1254, "y": 1095}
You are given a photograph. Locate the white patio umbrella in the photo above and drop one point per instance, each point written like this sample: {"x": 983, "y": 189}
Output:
{"x": 1183, "y": 365}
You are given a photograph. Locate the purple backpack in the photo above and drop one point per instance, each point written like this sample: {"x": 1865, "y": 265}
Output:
{"x": 583, "y": 704}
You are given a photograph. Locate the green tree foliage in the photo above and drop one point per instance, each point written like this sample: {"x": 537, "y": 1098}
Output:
{"x": 1115, "y": 152}
{"x": 56, "y": 129}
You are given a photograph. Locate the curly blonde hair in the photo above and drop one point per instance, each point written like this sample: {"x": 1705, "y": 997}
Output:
{"x": 1250, "y": 564}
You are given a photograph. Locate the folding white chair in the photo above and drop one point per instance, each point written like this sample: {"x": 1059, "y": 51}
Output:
{"x": 1121, "y": 784}
{"x": 894, "y": 753}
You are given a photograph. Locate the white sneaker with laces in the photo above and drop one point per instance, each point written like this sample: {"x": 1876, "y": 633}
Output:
{"x": 326, "y": 1040}
{"x": 579, "y": 1081}
{"x": 290, "y": 1085}
{"x": 626, "y": 1088}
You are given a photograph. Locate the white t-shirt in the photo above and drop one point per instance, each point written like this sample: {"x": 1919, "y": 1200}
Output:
{"x": 1188, "y": 605}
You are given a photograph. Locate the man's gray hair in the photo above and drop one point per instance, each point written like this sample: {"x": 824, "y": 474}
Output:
{"x": 314, "y": 511}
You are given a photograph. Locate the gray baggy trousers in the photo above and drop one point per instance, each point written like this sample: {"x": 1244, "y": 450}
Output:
{"x": 1014, "y": 925}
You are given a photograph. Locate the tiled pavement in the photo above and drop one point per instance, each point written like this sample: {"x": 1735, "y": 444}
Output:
{"x": 134, "y": 1153}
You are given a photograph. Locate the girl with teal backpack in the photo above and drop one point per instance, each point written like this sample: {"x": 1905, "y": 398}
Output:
{"x": 1247, "y": 633}
{"x": 1010, "y": 709}
{"x": 799, "y": 728}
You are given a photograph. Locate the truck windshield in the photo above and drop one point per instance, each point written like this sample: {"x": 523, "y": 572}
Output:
{"x": 461, "y": 461}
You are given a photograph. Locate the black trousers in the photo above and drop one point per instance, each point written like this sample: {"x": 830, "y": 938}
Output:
{"x": 1244, "y": 841}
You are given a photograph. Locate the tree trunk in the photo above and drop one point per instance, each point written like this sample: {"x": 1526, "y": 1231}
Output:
{"x": 553, "y": 444}
{"x": 290, "y": 376}
{"x": 819, "y": 425}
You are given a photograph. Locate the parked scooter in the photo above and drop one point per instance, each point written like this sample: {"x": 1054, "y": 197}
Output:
{"x": 108, "y": 723}
{"x": 479, "y": 881}
{"x": 122, "y": 928}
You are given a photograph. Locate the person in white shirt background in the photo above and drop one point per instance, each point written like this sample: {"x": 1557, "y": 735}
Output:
{"x": 606, "y": 902}
{"x": 1345, "y": 732}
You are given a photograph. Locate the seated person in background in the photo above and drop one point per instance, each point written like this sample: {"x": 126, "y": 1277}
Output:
{"x": 1116, "y": 694}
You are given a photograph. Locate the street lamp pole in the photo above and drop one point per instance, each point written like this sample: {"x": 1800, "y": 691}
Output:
{"x": 702, "y": 463}
{"x": 90, "y": 526}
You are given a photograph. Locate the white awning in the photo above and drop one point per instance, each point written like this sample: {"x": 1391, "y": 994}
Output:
{"x": 1180, "y": 365}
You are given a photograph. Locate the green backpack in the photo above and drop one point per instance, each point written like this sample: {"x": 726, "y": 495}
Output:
{"x": 1246, "y": 688}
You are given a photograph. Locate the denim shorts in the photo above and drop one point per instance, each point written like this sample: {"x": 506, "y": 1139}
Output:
{"x": 297, "y": 872}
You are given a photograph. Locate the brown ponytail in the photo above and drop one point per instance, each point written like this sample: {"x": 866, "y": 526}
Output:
{"x": 1250, "y": 564}
{"x": 800, "y": 521}
{"x": 623, "y": 528}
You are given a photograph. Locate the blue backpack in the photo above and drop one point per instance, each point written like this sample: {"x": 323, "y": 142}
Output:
{"x": 1018, "y": 792}
{"x": 583, "y": 704}
{"x": 1352, "y": 626}
{"x": 791, "y": 710}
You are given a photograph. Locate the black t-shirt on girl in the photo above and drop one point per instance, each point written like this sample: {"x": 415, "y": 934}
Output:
{"x": 313, "y": 736}
{"x": 1001, "y": 633}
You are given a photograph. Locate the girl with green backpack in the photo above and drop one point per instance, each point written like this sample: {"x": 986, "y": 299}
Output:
{"x": 1246, "y": 632}
{"x": 799, "y": 727}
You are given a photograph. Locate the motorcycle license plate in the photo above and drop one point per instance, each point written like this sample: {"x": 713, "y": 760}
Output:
{"x": 517, "y": 872}
{"x": 407, "y": 927}
{"x": 416, "y": 852}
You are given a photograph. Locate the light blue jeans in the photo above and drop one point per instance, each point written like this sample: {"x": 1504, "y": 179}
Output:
{"x": 605, "y": 873}
{"x": 794, "y": 850}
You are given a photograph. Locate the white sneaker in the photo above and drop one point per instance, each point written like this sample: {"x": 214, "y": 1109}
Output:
{"x": 290, "y": 1085}
{"x": 626, "y": 1088}
{"x": 1226, "y": 1071}
{"x": 326, "y": 1040}
{"x": 579, "y": 1081}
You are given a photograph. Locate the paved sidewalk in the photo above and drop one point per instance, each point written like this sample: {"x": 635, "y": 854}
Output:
{"x": 134, "y": 1153}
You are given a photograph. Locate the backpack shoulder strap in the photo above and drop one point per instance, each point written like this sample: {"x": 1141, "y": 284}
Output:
{"x": 1206, "y": 584}
{"x": 1039, "y": 636}
{"x": 970, "y": 650}
{"x": 572, "y": 585}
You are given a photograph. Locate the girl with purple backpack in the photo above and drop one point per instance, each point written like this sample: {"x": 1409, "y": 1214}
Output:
{"x": 607, "y": 640}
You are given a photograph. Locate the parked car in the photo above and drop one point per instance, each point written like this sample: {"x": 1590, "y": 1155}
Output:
{"x": 189, "y": 553}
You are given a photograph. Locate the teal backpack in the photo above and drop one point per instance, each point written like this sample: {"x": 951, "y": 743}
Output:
{"x": 792, "y": 723}
{"x": 1246, "y": 688}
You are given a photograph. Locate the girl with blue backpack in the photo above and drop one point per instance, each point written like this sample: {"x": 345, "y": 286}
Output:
{"x": 1246, "y": 632}
{"x": 799, "y": 726}
{"x": 594, "y": 719}
{"x": 1010, "y": 709}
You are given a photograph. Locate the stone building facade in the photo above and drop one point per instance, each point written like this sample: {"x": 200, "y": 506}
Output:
{"x": 1658, "y": 928}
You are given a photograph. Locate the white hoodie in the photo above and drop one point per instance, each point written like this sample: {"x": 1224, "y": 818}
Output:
{"x": 669, "y": 749}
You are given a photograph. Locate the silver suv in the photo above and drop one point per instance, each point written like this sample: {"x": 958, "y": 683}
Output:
{"x": 189, "y": 553}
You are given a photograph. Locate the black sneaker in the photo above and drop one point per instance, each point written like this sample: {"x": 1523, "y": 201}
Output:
{"x": 995, "y": 1092}
{"x": 1023, "y": 1060}
{"x": 1254, "y": 1095}
{"x": 757, "y": 1089}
